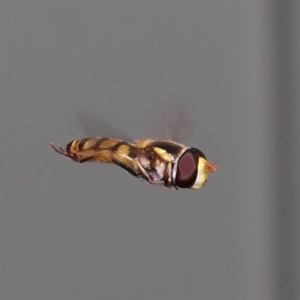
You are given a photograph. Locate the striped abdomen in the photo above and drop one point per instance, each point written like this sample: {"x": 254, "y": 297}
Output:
{"x": 100, "y": 149}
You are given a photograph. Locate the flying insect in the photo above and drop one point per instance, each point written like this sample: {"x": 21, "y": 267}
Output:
{"x": 161, "y": 162}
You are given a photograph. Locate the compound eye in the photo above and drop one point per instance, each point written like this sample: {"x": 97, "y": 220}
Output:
{"x": 187, "y": 168}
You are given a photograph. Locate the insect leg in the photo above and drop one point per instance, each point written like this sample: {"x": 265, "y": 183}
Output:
{"x": 126, "y": 168}
{"x": 143, "y": 173}
{"x": 134, "y": 167}
{"x": 58, "y": 149}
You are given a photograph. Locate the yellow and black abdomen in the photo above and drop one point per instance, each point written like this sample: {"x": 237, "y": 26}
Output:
{"x": 91, "y": 149}
{"x": 101, "y": 150}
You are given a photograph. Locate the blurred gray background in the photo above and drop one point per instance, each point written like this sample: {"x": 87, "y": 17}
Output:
{"x": 91, "y": 231}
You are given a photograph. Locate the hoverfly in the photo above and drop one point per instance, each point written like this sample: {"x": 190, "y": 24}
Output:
{"x": 160, "y": 162}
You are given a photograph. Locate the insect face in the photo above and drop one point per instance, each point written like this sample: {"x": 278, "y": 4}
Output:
{"x": 191, "y": 168}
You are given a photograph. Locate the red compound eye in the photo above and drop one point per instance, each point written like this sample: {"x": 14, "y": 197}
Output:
{"x": 187, "y": 168}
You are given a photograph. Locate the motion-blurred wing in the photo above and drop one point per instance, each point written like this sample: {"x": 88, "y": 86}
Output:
{"x": 94, "y": 126}
{"x": 174, "y": 122}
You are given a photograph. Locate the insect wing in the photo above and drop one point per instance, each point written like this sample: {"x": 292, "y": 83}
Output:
{"x": 93, "y": 125}
{"x": 173, "y": 122}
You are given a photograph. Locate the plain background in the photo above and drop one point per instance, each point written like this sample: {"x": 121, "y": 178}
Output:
{"x": 91, "y": 231}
